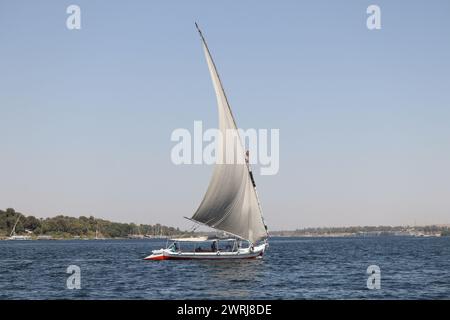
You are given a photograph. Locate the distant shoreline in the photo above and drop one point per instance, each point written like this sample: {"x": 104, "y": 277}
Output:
{"x": 271, "y": 235}
{"x": 91, "y": 228}
{"x": 275, "y": 234}
{"x": 416, "y": 231}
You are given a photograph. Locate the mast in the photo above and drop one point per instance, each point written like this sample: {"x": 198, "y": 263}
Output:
{"x": 247, "y": 160}
{"x": 97, "y": 231}
{"x": 13, "y": 231}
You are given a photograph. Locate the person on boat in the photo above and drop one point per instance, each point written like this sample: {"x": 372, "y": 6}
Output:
{"x": 213, "y": 246}
{"x": 174, "y": 247}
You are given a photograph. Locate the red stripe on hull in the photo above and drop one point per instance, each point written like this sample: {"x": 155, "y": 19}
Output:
{"x": 162, "y": 257}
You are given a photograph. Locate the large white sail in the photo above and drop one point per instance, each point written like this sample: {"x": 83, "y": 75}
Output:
{"x": 230, "y": 203}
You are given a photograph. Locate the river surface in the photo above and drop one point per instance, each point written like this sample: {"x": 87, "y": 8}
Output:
{"x": 293, "y": 268}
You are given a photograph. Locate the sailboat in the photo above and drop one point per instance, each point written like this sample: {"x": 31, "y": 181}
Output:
{"x": 137, "y": 235}
{"x": 230, "y": 205}
{"x": 14, "y": 236}
{"x": 98, "y": 234}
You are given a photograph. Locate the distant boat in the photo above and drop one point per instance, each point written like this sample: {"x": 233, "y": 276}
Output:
{"x": 98, "y": 235}
{"x": 231, "y": 202}
{"x": 17, "y": 237}
{"x": 14, "y": 236}
{"x": 137, "y": 235}
{"x": 157, "y": 233}
{"x": 151, "y": 236}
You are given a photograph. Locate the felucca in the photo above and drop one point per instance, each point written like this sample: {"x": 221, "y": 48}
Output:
{"x": 231, "y": 203}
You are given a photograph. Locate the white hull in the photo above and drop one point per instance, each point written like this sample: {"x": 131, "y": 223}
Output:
{"x": 19, "y": 238}
{"x": 247, "y": 253}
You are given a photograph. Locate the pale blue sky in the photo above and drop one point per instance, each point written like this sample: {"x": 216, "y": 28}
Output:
{"x": 364, "y": 116}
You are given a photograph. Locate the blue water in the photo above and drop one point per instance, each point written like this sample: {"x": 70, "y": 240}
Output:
{"x": 293, "y": 268}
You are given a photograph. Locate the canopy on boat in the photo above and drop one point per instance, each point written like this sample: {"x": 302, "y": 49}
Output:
{"x": 191, "y": 239}
{"x": 201, "y": 239}
{"x": 231, "y": 203}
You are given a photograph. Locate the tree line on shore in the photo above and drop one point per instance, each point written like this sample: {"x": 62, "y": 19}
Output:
{"x": 67, "y": 227}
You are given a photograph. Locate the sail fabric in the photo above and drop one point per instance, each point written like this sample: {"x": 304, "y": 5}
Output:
{"x": 230, "y": 203}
